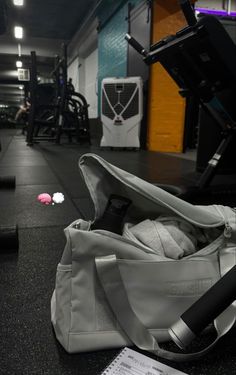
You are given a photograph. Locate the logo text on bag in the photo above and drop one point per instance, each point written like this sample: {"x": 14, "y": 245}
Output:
{"x": 187, "y": 287}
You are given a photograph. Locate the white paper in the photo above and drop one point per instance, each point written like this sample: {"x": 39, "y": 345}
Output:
{"x": 130, "y": 362}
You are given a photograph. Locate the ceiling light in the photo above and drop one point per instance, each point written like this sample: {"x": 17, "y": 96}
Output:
{"x": 18, "y": 3}
{"x": 19, "y": 64}
{"x": 19, "y": 50}
{"x": 18, "y": 32}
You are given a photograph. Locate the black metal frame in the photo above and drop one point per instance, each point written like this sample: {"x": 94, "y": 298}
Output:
{"x": 177, "y": 55}
{"x": 33, "y": 125}
{"x": 61, "y": 108}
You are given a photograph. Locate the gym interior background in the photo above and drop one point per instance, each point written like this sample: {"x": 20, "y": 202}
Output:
{"x": 46, "y": 124}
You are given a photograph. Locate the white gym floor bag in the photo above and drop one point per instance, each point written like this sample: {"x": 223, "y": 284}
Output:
{"x": 119, "y": 290}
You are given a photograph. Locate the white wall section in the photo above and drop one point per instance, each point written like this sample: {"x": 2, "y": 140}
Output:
{"x": 91, "y": 70}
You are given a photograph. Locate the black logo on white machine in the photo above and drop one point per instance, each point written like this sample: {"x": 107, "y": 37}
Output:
{"x": 118, "y": 120}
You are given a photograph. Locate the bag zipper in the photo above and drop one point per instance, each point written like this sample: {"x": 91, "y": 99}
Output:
{"x": 228, "y": 228}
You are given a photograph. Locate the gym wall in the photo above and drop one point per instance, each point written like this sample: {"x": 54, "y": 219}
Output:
{"x": 73, "y": 73}
{"x": 83, "y": 72}
{"x": 166, "y": 112}
{"x": 214, "y": 4}
{"x": 99, "y": 50}
{"x": 112, "y": 47}
{"x": 83, "y": 63}
{"x": 166, "y": 108}
{"x": 90, "y": 87}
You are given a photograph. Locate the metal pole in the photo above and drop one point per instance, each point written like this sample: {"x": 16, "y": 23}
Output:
{"x": 32, "y": 90}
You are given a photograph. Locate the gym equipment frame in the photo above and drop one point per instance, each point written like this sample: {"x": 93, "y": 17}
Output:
{"x": 201, "y": 58}
{"x": 70, "y": 109}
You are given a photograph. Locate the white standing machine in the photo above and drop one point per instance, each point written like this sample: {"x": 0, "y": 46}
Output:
{"x": 121, "y": 111}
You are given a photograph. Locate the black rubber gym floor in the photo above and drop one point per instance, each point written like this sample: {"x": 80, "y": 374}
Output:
{"x": 28, "y": 345}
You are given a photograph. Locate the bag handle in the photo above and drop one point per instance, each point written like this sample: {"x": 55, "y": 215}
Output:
{"x": 112, "y": 283}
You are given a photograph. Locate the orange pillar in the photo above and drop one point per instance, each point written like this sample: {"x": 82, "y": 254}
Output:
{"x": 166, "y": 110}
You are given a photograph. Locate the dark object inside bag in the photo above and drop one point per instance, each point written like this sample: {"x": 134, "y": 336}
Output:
{"x": 113, "y": 216}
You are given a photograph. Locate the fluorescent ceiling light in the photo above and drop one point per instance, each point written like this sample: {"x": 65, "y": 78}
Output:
{"x": 18, "y": 32}
{"x": 19, "y": 64}
{"x": 18, "y": 3}
{"x": 19, "y": 50}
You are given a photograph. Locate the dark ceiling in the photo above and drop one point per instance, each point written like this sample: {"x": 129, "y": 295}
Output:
{"x": 58, "y": 19}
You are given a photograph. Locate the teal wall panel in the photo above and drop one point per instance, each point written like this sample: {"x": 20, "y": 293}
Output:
{"x": 112, "y": 47}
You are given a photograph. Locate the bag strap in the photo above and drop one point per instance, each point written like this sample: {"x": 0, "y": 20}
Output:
{"x": 112, "y": 283}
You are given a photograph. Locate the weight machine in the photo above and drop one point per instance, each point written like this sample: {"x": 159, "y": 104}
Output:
{"x": 67, "y": 114}
{"x": 201, "y": 59}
